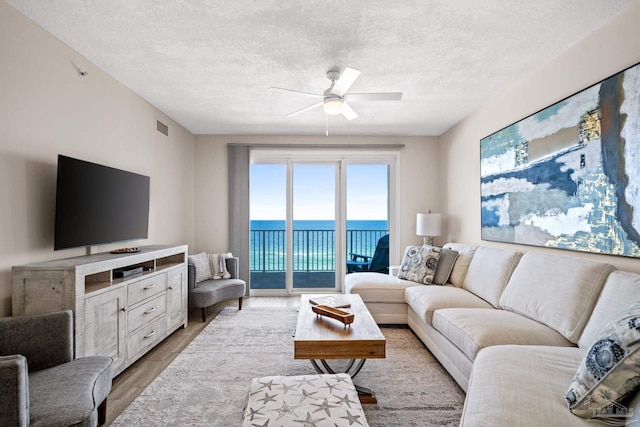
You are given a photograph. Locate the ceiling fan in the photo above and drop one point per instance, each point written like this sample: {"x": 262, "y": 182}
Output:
{"x": 334, "y": 99}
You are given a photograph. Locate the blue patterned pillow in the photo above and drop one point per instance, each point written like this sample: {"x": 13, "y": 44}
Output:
{"x": 610, "y": 370}
{"x": 419, "y": 264}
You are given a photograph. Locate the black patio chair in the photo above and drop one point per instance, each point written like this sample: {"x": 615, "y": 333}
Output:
{"x": 378, "y": 263}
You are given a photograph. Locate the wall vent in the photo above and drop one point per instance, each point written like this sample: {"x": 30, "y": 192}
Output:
{"x": 162, "y": 128}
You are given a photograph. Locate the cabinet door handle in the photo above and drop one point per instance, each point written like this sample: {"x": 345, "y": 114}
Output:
{"x": 151, "y": 310}
{"x": 124, "y": 308}
{"x": 170, "y": 288}
{"x": 150, "y": 335}
{"x": 149, "y": 287}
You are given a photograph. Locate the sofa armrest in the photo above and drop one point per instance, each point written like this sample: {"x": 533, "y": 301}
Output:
{"x": 46, "y": 340}
{"x": 233, "y": 267}
{"x": 14, "y": 389}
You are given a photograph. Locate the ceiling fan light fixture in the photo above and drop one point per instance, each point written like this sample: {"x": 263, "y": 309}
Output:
{"x": 332, "y": 106}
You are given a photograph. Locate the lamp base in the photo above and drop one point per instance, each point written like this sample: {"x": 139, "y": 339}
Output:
{"x": 427, "y": 240}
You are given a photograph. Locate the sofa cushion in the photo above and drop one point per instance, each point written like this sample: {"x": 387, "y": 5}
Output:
{"x": 377, "y": 287}
{"x": 618, "y": 291}
{"x": 555, "y": 290}
{"x": 203, "y": 267}
{"x": 419, "y": 264}
{"x": 465, "y": 254}
{"x": 489, "y": 272}
{"x": 610, "y": 371}
{"x": 425, "y": 300}
{"x": 521, "y": 386}
{"x": 472, "y": 329}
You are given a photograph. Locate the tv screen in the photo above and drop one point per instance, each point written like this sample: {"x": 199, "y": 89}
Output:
{"x": 97, "y": 204}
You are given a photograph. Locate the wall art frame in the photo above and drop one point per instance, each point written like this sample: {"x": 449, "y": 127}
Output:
{"x": 568, "y": 176}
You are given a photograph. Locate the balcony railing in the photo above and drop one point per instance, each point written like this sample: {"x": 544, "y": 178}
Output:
{"x": 313, "y": 250}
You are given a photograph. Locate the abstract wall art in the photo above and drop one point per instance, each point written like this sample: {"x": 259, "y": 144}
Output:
{"x": 568, "y": 176}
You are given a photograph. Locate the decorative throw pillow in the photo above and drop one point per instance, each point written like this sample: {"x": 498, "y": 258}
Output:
{"x": 218, "y": 264}
{"x": 445, "y": 265}
{"x": 610, "y": 370}
{"x": 419, "y": 264}
{"x": 203, "y": 269}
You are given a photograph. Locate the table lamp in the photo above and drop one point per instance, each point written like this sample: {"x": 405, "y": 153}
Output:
{"x": 428, "y": 226}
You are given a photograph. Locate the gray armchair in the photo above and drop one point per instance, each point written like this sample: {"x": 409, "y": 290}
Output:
{"x": 210, "y": 292}
{"x": 40, "y": 382}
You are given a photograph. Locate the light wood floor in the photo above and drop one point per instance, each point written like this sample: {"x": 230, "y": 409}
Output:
{"x": 130, "y": 383}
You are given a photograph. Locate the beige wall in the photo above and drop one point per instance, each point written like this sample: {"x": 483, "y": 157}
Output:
{"x": 419, "y": 181}
{"x": 46, "y": 109}
{"x": 607, "y": 51}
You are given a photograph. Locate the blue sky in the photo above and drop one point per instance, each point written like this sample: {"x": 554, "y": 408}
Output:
{"x": 313, "y": 192}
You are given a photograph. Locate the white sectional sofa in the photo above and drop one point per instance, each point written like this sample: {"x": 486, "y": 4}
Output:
{"x": 511, "y": 328}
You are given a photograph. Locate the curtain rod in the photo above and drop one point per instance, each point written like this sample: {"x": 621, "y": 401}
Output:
{"x": 324, "y": 146}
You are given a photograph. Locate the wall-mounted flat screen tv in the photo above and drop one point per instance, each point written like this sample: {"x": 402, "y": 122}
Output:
{"x": 97, "y": 204}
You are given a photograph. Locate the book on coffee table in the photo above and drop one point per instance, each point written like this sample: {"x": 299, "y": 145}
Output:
{"x": 333, "y": 301}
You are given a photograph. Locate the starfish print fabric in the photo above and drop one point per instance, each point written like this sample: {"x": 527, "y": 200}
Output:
{"x": 305, "y": 400}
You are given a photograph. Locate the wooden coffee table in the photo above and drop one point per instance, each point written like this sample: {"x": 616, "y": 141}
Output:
{"x": 322, "y": 338}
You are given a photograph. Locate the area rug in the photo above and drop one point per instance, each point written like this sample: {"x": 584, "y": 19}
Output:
{"x": 207, "y": 384}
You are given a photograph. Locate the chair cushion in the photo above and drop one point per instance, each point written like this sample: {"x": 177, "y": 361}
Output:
{"x": 329, "y": 399}
{"x": 575, "y": 284}
{"x": 425, "y": 300}
{"x": 472, "y": 329}
{"x": 213, "y": 291}
{"x": 203, "y": 267}
{"x": 69, "y": 394}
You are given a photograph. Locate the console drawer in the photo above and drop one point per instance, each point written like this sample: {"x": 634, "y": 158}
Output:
{"x": 146, "y": 337}
{"x": 145, "y": 288}
{"x": 146, "y": 312}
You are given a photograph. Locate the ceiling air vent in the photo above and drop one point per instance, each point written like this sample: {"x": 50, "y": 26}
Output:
{"x": 162, "y": 128}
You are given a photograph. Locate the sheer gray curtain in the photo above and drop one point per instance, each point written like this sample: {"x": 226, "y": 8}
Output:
{"x": 238, "y": 162}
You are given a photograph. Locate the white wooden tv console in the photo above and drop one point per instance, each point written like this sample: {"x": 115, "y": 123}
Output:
{"x": 120, "y": 317}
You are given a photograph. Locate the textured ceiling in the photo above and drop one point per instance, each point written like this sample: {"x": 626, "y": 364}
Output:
{"x": 207, "y": 64}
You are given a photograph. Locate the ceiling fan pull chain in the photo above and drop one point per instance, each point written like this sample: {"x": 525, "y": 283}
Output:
{"x": 326, "y": 116}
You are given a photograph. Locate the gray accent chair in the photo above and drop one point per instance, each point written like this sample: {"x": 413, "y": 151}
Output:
{"x": 213, "y": 291}
{"x": 41, "y": 384}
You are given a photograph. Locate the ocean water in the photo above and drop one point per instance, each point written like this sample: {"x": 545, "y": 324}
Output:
{"x": 313, "y": 243}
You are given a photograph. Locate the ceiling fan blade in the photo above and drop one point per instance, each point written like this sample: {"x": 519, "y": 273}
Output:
{"x": 387, "y": 96}
{"x": 296, "y": 91}
{"x": 310, "y": 107}
{"x": 347, "y": 78}
{"x": 348, "y": 112}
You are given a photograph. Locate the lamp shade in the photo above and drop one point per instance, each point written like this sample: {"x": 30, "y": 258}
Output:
{"x": 428, "y": 224}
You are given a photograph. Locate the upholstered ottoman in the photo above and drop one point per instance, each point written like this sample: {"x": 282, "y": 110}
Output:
{"x": 320, "y": 400}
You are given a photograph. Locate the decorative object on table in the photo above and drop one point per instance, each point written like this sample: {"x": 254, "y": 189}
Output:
{"x": 428, "y": 226}
{"x": 334, "y": 313}
{"x": 568, "y": 176}
{"x": 334, "y": 301}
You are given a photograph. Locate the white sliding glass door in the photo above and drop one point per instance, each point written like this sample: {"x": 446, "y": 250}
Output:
{"x": 311, "y": 211}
